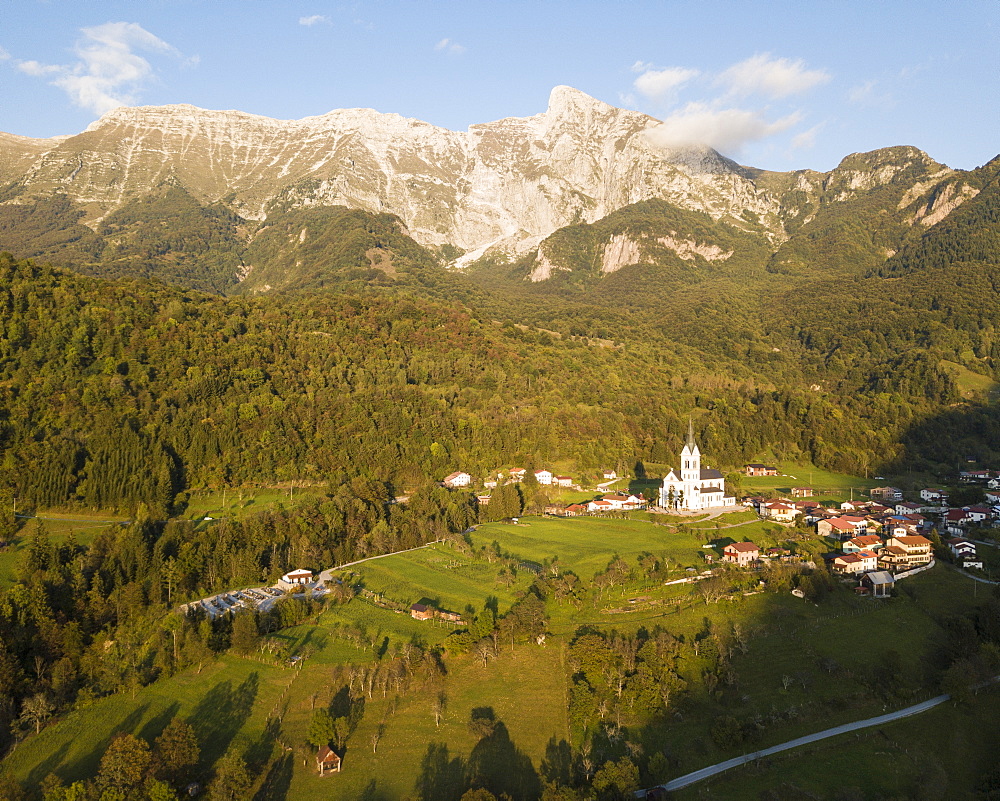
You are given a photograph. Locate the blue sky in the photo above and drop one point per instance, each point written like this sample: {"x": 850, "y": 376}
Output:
{"x": 777, "y": 85}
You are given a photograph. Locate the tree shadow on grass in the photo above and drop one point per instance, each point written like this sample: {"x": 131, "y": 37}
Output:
{"x": 441, "y": 777}
{"x": 83, "y": 767}
{"x": 278, "y": 780}
{"x": 221, "y": 713}
{"x": 497, "y": 765}
{"x": 154, "y": 727}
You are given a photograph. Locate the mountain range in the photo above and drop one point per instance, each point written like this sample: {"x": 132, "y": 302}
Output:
{"x": 495, "y": 193}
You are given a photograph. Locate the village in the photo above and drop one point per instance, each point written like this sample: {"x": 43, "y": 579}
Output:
{"x": 874, "y": 542}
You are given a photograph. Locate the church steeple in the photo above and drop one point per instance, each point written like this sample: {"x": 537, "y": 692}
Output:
{"x": 690, "y": 437}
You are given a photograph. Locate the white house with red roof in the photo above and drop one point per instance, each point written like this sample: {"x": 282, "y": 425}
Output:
{"x": 543, "y": 476}
{"x": 781, "y": 511}
{"x": 457, "y": 479}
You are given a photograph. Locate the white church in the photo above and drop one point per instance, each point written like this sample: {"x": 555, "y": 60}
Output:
{"x": 694, "y": 487}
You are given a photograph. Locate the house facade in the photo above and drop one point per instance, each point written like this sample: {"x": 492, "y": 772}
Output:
{"x": 741, "y": 553}
{"x": 457, "y": 479}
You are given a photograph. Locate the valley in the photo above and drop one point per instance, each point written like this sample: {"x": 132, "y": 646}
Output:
{"x": 232, "y": 346}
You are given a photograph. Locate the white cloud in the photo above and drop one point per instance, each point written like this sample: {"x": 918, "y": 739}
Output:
{"x": 37, "y": 69}
{"x": 108, "y": 72}
{"x": 449, "y": 46}
{"x": 728, "y": 130}
{"x": 4, "y": 54}
{"x": 806, "y": 139}
{"x": 661, "y": 84}
{"x": 315, "y": 19}
{"x": 771, "y": 77}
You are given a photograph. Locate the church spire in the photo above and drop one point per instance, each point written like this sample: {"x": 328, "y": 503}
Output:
{"x": 690, "y": 436}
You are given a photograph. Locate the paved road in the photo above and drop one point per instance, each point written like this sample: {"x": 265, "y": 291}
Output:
{"x": 327, "y": 574}
{"x": 712, "y": 770}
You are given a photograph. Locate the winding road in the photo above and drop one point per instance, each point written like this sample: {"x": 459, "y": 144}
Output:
{"x": 712, "y": 770}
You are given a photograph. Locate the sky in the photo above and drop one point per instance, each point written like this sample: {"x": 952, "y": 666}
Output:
{"x": 776, "y": 85}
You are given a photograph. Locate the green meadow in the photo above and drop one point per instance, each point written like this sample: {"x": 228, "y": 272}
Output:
{"x": 800, "y": 668}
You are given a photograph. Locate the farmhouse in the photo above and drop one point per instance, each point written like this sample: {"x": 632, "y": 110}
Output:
{"x": 741, "y": 553}
{"x": 692, "y": 487}
{"x": 609, "y": 474}
{"x": 802, "y": 492}
{"x": 421, "y": 612}
{"x": 297, "y": 578}
{"x": 327, "y": 761}
{"x": 457, "y": 479}
{"x": 886, "y": 493}
{"x": 563, "y": 481}
{"x": 517, "y": 474}
{"x": 543, "y": 477}
{"x": 759, "y": 470}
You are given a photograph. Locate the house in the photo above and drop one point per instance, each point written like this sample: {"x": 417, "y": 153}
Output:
{"x": 609, "y": 474}
{"x": 483, "y": 500}
{"x": 575, "y": 509}
{"x": 856, "y": 562}
{"x": 886, "y": 493}
{"x": 421, "y": 612}
{"x": 843, "y": 527}
{"x": 543, "y": 477}
{"x": 879, "y": 583}
{"x": 956, "y": 521}
{"x": 908, "y": 508}
{"x": 517, "y": 474}
{"x": 563, "y": 481}
{"x": 757, "y": 469}
{"x": 850, "y": 506}
{"x": 741, "y": 553}
{"x": 780, "y": 511}
{"x": 837, "y": 528}
{"x": 866, "y": 542}
{"x": 979, "y": 514}
{"x": 457, "y": 479}
{"x": 296, "y": 578}
{"x": 490, "y": 483}
{"x": 904, "y": 553}
{"x": 934, "y": 495}
{"x": 600, "y": 505}
{"x": 802, "y": 492}
{"x": 622, "y": 501}
{"x": 962, "y": 548}
{"x": 973, "y": 476}
{"x": 327, "y": 761}
{"x": 692, "y": 487}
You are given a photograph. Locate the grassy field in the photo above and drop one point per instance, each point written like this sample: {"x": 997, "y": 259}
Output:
{"x": 837, "y": 486}
{"x": 59, "y": 525}
{"x": 943, "y": 753}
{"x": 230, "y": 698}
{"x": 802, "y": 669}
{"x": 242, "y": 500}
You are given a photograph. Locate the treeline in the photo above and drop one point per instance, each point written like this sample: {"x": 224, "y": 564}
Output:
{"x": 83, "y": 622}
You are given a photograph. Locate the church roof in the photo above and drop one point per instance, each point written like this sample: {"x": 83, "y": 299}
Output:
{"x": 708, "y": 472}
